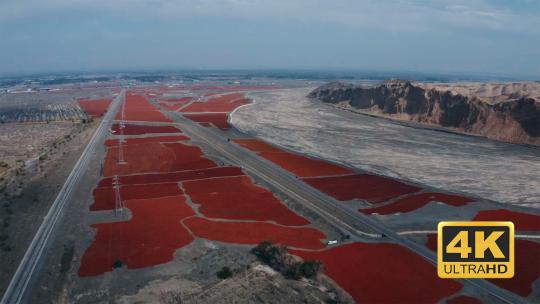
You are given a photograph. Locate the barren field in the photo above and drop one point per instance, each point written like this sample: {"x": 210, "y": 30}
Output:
{"x": 48, "y": 153}
{"x": 23, "y": 142}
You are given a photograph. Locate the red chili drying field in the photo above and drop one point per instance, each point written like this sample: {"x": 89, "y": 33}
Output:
{"x": 323, "y": 176}
{"x": 155, "y": 157}
{"x": 95, "y": 107}
{"x": 301, "y": 166}
{"x": 142, "y": 129}
{"x": 183, "y": 100}
{"x": 376, "y": 273}
{"x": 255, "y": 232}
{"x": 143, "y": 140}
{"x": 522, "y": 221}
{"x": 372, "y": 188}
{"x": 135, "y": 242}
{"x": 527, "y": 265}
{"x": 415, "y": 201}
{"x": 223, "y": 103}
{"x": 256, "y": 145}
{"x": 177, "y": 176}
{"x": 220, "y": 120}
{"x": 174, "y": 104}
{"x": 238, "y": 198}
{"x": 137, "y": 108}
{"x": 104, "y": 198}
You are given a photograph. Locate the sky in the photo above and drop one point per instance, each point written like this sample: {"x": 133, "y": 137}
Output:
{"x": 491, "y": 37}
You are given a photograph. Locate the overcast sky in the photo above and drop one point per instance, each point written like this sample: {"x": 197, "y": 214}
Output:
{"x": 497, "y": 37}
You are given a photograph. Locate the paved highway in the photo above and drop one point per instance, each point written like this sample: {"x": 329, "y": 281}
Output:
{"x": 18, "y": 288}
{"x": 356, "y": 224}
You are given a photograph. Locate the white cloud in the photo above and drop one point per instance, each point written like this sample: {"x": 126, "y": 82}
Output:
{"x": 394, "y": 15}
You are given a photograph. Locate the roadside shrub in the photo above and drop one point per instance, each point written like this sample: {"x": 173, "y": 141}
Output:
{"x": 310, "y": 268}
{"x": 67, "y": 257}
{"x": 276, "y": 256}
{"x": 117, "y": 264}
{"x": 171, "y": 297}
{"x": 224, "y": 273}
{"x": 293, "y": 271}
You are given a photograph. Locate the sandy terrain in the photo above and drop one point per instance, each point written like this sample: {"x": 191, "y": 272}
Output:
{"x": 29, "y": 187}
{"x": 490, "y": 92}
{"x": 25, "y": 141}
{"x": 488, "y": 169}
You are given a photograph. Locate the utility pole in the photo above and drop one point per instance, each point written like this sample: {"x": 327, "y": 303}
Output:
{"x": 121, "y": 141}
{"x": 119, "y": 204}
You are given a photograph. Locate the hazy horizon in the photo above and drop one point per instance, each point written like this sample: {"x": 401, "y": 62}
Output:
{"x": 479, "y": 37}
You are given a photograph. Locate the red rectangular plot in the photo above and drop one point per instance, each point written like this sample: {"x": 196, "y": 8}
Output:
{"x": 219, "y": 120}
{"x": 183, "y": 100}
{"x": 137, "y": 108}
{"x": 150, "y": 238}
{"x": 154, "y": 158}
{"x": 223, "y": 103}
{"x": 238, "y": 198}
{"x": 173, "y": 176}
{"x": 526, "y": 268}
{"x": 130, "y": 129}
{"x": 415, "y": 201}
{"x": 256, "y": 145}
{"x": 522, "y": 221}
{"x": 366, "y": 270}
{"x": 255, "y": 232}
{"x": 299, "y": 165}
{"x": 104, "y": 197}
{"x": 142, "y": 140}
{"x": 171, "y": 107}
{"x": 372, "y": 188}
{"x": 95, "y": 107}
{"x": 303, "y": 166}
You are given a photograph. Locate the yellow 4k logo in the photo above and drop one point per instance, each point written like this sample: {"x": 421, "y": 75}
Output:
{"x": 475, "y": 250}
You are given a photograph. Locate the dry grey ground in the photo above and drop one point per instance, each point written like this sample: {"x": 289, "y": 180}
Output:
{"x": 493, "y": 170}
{"x": 21, "y": 142}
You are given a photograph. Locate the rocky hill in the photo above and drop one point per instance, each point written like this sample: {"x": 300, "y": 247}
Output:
{"x": 515, "y": 120}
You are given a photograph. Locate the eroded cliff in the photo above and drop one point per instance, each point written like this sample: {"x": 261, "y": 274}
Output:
{"x": 515, "y": 120}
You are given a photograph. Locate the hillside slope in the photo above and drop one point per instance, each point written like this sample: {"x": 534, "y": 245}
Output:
{"x": 515, "y": 120}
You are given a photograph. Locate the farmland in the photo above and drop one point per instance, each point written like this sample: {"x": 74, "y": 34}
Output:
{"x": 172, "y": 195}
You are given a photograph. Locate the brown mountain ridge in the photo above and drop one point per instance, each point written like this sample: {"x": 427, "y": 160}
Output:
{"x": 515, "y": 120}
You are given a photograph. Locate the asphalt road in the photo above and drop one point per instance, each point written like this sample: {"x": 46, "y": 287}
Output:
{"x": 356, "y": 224}
{"x": 20, "y": 285}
